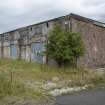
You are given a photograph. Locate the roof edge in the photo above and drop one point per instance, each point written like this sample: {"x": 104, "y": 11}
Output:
{"x": 81, "y": 18}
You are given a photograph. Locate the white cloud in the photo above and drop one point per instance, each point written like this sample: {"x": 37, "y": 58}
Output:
{"x": 17, "y": 13}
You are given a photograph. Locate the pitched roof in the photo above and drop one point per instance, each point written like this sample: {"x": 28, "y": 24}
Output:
{"x": 78, "y": 17}
{"x": 81, "y": 18}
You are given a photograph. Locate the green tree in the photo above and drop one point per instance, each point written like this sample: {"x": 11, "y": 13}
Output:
{"x": 64, "y": 47}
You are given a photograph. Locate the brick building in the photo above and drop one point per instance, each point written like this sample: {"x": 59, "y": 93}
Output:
{"x": 28, "y": 42}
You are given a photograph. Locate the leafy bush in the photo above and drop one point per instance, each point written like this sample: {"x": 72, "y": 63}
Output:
{"x": 64, "y": 47}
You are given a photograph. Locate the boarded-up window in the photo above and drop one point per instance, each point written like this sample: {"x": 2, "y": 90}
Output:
{"x": 13, "y": 51}
{"x": 37, "y": 49}
{"x": 6, "y": 51}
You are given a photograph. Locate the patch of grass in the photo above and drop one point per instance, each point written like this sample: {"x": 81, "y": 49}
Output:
{"x": 23, "y": 79}
{"x": 9, "y": 87}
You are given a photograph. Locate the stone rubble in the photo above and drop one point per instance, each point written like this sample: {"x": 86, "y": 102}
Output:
{"x": 57, "y": 92}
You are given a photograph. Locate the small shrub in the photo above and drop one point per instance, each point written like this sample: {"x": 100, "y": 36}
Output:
{"x": 64, "y": 47}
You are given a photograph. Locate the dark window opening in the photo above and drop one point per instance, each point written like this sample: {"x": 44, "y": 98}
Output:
{"x": 31, "y": 28}
{"x": 47, "y": 24}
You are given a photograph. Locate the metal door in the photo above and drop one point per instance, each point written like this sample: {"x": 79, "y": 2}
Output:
{"x": 37, "y": 50}
{"x": 13, "y": 51}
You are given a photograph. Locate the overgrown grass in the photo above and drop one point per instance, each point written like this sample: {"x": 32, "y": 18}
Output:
{"x": 11, "y": 86}
{"x": 22, "y": 79}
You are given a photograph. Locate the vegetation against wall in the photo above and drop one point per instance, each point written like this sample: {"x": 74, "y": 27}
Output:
{"x": 64, "y": 47}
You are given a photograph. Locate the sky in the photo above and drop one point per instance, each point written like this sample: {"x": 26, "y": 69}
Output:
{"x": 19, "y": 13}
